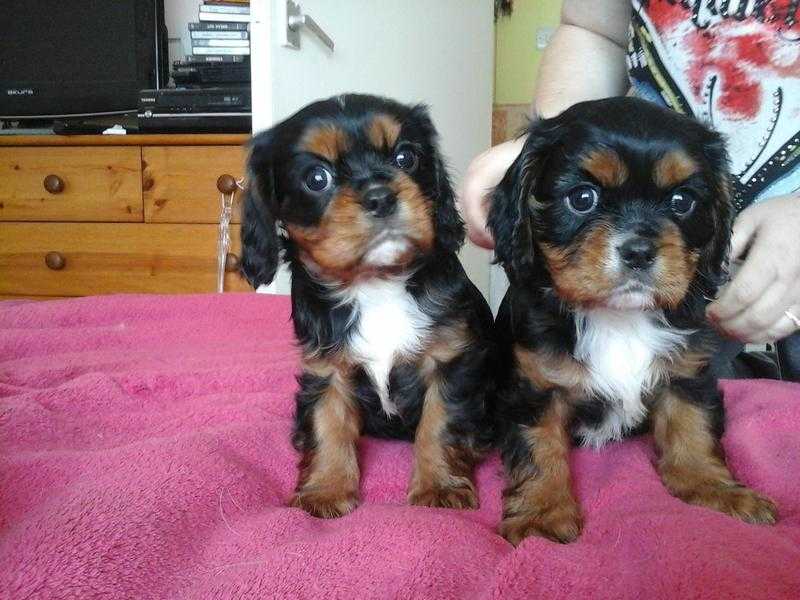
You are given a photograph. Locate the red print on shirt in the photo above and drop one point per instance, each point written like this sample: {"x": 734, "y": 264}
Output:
{"x": 723, "y": 42}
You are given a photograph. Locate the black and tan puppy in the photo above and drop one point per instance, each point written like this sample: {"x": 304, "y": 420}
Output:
{"x": 395, "y": 340}
{"x": 613, "y": 226}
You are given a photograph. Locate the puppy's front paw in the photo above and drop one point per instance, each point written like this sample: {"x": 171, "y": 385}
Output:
{"x": 461, "y": 496}
{"x": 561, "y": 522}
{"x": 323, "y": 503}
{"x": 735, "y": 500}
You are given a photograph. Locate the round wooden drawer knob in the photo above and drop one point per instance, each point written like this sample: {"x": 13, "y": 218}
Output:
{"x": 55, "y": 261}
{"x": 54, "y": 184}
{"x": 231, "y": 262}
{"x": 226, "y": 184}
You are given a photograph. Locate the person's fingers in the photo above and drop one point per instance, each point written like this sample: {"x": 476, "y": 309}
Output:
{"x": 743, "y": 230}
{"x": 769, "y": 279}
{"x": 476, "y": 210}
{"x": 749, "y": 283}
{"x": 483, "y": 174}
{"x": 793, "y": 314}
{"x": 756, "y": 321}
{"x": 783, "y": 326}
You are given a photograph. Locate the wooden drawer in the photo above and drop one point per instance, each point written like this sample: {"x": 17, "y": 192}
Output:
{"x": 110, "y": 258}
{"x": 179, "y": 183}
{"x": 96, "y": 184}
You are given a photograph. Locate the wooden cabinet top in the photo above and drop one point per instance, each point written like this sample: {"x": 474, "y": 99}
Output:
{"x": 155, "y": 139}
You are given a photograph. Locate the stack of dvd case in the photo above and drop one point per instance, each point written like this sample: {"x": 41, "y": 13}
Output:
{"x": 220, "y": 42}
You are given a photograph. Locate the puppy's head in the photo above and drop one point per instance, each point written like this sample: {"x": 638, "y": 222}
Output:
{"x": 358, "y": 186}
{"x": 616, "y": 203}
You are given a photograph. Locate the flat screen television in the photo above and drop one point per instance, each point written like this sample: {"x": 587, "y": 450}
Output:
{"x": 79, "y": 57}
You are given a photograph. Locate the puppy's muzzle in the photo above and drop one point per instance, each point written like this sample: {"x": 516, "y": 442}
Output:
{"x": 379, "y": 201}
{"x": 638, "y": 253}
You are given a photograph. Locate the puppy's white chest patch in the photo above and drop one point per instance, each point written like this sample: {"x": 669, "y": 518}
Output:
{"x": 390, "y": 325}
{"x": 619, "y": 349}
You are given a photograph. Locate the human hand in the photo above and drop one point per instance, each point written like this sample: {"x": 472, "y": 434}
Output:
{"x": 482, "y": 175}
{"x": 753, "y": 307}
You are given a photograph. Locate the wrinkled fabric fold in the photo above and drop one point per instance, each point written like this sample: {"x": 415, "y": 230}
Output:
{"x": 145, "y": 453}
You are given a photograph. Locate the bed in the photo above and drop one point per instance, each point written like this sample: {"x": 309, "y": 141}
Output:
{"x": 144, "y": 453}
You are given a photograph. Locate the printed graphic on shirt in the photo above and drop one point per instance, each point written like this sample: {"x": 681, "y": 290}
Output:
{"x": 736, "y": 65}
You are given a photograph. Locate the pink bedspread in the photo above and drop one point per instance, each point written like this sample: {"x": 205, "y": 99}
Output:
{"x": 144, "y": 453}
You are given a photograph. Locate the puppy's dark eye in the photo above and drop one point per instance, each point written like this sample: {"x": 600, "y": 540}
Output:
{"x": 406, "y": 158}
{"x": 582, "y": 199}
{"x": 682, "y": 204}
{"x": 318, "y": 179}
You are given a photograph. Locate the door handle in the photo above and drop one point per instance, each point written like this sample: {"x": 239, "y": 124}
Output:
{"x": 295, "y": 20}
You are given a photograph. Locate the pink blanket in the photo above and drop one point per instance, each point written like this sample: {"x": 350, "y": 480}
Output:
{"x": 144, "y": 453}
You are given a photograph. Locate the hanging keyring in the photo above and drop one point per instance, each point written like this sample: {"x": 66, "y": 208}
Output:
{"x": 223, "y": 234}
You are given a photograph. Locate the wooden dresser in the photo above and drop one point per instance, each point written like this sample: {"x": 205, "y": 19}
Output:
{"x": 84, "y": 215}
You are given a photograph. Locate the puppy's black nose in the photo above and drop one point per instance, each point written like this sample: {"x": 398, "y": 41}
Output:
{"x": 638, "y": 253}
{"x": 379, "y": 201}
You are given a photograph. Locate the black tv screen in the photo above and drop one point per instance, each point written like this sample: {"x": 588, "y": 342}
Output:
{"x": 79, "y": 57}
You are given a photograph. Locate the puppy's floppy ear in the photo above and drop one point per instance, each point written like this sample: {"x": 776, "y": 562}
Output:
{"x": 713, "y": 263}
{"x": 449, "y": 227}
{"x": 510, "y": 216}
{"x": 260, "y": 242}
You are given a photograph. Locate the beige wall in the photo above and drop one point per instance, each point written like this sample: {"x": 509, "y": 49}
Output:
{"x": 517, "y": 62}
{"x": 516, "y": 66}
{"x": 516, "y": 55}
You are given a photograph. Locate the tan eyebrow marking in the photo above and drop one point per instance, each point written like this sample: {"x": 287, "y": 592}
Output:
{"x": 327, "y": 141}
{"x": 383, "y": 131}
{"x": 673, "y": 168}
{"x": 606, "y": 166}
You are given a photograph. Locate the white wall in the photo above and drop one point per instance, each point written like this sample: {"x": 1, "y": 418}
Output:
{"x": 438, "y": 52}
{"x": 178, "y": 13}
